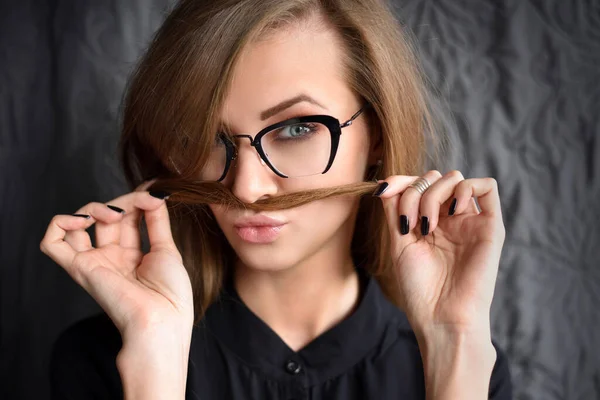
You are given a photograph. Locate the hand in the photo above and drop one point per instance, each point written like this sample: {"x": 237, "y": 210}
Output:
{"x": 137, "y": 291}
{"x": 446, "y": 276}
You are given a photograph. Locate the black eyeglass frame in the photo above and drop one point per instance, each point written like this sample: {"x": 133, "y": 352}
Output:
{"x": 332, "y": 123}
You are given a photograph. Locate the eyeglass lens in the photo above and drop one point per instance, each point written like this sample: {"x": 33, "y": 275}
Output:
{"x": 295, "y": 150}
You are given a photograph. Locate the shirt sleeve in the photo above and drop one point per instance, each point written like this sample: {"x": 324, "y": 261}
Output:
{"x": 500, "y": 383}
{"x": 83, "y": 362}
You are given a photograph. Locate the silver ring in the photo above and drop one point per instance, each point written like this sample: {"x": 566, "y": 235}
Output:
{"x": 420, "y": 184}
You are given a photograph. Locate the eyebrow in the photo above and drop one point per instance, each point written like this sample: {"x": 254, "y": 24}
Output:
{"x": 268, "y": 113}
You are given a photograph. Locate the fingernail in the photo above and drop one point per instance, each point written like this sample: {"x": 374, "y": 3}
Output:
{"x": 159, "y": 194}
{"x": 424, "y": 226}
{"x": 82, "y": 216}
{"x": 452, "y": 207}
{"x": 115, "y": 208}
{"x": 403, "y": 224}
{"x": 380, "y": 189}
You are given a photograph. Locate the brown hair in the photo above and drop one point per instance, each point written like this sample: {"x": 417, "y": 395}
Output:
{"x": 172, "y": 106}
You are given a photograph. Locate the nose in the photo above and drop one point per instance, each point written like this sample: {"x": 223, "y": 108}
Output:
{"x": 251, "y": 178}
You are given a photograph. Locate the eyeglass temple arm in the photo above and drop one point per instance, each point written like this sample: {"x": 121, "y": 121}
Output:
{"x": 349, "y": 122}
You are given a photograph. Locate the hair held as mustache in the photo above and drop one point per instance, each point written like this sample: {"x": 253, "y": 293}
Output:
{"x": 201, "y": 192}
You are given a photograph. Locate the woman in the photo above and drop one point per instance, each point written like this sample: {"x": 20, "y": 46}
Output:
{"x": 269, "y": 277}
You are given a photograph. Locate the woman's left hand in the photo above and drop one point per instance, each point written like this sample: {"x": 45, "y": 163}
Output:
{"x": 446, "y": 274}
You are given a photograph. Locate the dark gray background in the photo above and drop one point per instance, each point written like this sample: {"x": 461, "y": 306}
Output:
{"x": 521, "y": 77}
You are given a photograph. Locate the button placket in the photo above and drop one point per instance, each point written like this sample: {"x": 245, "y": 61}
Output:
{"x": 297, "y": 388}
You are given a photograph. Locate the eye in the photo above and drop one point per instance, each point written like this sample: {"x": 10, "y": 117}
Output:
{"x": 297, "y": 131}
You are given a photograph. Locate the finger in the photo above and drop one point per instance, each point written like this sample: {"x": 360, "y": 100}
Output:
{"x": 79, "y": 239}
{"x": 486, "y": 192}
{"x": 110, "y": 233}
{"x": 102, "y": 216}
{"x": 159, "y": 226}
{"x": 53, "y": 243}
{"x": 107, "y": 222}
{"x": 395, "y": 184}
{"x": 140, "y": 203}
{"x": 130, "y": 230}
{"x": 130, "y": 226}
{"x": 409, "y": 205}
{"x": 471, "y": 208}
{"x": 127, "y": 232}
{"x": 437, "y": 195}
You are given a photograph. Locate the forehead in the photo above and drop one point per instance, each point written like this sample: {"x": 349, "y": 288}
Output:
{"x": 289, "y": 62}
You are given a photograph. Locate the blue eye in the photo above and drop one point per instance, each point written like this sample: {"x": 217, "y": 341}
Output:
{"x": 297, "y": 131}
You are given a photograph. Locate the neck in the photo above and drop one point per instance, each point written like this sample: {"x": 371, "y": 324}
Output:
{"x": 301, "y": 302}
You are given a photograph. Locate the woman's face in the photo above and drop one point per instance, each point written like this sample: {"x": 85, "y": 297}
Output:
{"x": 291, "y": 63}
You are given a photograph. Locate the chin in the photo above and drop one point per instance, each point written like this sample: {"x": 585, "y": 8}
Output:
{"x": 279, "y": 255}
{"x": 267, "y": 258}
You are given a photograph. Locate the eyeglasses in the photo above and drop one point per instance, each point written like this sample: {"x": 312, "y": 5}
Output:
{"x": 296, "y": 147}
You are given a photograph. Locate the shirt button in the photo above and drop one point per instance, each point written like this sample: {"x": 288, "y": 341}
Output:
{"x": 293, "y": 367}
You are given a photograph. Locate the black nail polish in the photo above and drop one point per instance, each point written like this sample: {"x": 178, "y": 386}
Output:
{"x": 424, "y": 226}
{"x": 452, "y": 207}
{"x": 159, "y": 194}
{"x": 380, "y": 189}
{"x": 403, "y": 224}
{"x": 82, "y": 216}
{"x": 115, "y": 208}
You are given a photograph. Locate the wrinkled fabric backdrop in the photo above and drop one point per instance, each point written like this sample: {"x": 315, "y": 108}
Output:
{"x": 521, "y": 78}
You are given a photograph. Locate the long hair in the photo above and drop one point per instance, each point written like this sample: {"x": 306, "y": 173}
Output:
{"x": 172, "y": 103}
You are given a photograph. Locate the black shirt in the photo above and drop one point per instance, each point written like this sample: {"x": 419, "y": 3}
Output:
{"x": 372, "y": 354}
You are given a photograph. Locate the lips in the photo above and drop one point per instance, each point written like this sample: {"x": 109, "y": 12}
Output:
{"x": 259, "y": 229}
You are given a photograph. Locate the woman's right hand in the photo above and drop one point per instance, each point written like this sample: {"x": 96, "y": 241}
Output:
{"x": 139, "y": 292}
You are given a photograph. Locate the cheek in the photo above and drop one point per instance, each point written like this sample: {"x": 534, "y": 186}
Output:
{"x": 351, "y": 159}
{"x": 348, "y": 166}
{"x": 218, "y": 212}
{"x": 322, "y": 220}
{"x": 215, "y": 209}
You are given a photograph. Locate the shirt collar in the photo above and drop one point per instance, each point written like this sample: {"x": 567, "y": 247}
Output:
{"x": 237, "y": 328}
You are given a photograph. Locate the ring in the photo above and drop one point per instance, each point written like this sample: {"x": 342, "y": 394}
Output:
{"x": 420, "y": 184}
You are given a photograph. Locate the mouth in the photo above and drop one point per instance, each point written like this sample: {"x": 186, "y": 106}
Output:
{"x": 259, "y": 229}
{"x": 259, "y": 234}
